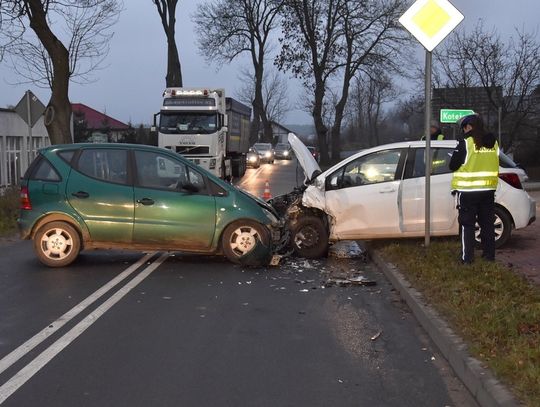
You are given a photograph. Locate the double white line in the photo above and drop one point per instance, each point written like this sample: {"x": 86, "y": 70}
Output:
{"x": 48, "y": 354}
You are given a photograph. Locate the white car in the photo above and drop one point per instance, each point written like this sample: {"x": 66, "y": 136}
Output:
{"x": 379, "y": 193}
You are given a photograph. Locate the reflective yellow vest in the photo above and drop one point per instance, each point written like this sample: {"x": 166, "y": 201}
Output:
{"x": 480, "y": 171}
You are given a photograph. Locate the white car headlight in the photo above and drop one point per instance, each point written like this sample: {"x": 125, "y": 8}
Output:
{"x": 268, "y": 154}
{"x": 286, "y": 153}
{"x": 252, "y": 159}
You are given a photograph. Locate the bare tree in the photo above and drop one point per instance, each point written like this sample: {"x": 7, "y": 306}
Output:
{"x": 87, "y": 39}
{"x": 309, "y": 51}
{"x": 167, "y": 12}
{"x": 508, "y": 72}
{"x": 341, "y": 38}
{"x": 229, "y": 28}
{"x": 368, "y": 97}
{"x": 372, "y": 42}
{"x": 275, "y": 93}
{"x": 46, "y": 60}
{"x": 410, "y": 112}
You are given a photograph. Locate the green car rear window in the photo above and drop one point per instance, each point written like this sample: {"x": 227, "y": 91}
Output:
{"x": 108, "y": 165}
{"x": 44, "y": 171}
{"x": 66, "y": 155}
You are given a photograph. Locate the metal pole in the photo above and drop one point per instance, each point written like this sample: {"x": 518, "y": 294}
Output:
{"x": 427, "y": 119}
{"x": 27, "y": 140}
{"x": 29, "y": 116}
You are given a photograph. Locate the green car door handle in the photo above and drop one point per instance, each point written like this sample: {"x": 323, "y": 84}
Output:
{"x": 145, "y": 201}
{"x": 81, "y": 194}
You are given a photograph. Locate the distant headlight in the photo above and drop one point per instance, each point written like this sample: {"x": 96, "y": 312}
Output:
{"x": 286, "y": 153}
{"x": 268, "y": 154}
{"x": 252, "y": 159}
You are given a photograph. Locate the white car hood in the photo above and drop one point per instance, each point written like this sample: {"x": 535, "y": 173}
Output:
{"x": 305, "y": 159}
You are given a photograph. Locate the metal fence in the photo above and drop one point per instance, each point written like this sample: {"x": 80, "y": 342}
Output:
{"x": 11, "y": 152}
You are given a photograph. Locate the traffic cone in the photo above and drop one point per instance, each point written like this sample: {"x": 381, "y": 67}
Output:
{"x": 266, "y": 194}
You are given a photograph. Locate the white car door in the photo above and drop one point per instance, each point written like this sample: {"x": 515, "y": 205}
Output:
{"x": 362, "y": 196}
{"x": 412, "y": 197}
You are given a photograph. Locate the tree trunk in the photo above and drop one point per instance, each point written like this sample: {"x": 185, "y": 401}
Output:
{"x": 174, "y": 69}
{"x": 258, "y": 100}
{"x": 267, "y": 129}
{"x": 320, "y": 128}
{"x": 167, "y": 12}
{"x": 58, "y": 112}
{"x": 338, "y": 118}
{"x": 254, "y": 128}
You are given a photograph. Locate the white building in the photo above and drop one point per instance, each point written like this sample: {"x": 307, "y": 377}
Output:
{"x": 12, "y": 131}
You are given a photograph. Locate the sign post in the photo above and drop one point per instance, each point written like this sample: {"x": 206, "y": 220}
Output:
{"x": 430, "y": 21}
{"x": 30, "y": 109}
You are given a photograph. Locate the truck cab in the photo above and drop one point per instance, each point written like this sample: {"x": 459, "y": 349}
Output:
{"x": 207, "y": 128}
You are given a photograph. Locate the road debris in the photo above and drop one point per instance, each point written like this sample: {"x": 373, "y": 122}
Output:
{"x": 348, "y": 281}
{"x": 376, "y": 336}
{"x": 304, "y": 290}
{"x": 347, "y": 249}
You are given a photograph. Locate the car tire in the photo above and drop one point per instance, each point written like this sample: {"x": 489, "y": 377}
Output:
{"x": 503, "y": 228}
{"x": 309, "y": 237}
{"x": 57, "y": 244}
{"x": 240, "y": 237}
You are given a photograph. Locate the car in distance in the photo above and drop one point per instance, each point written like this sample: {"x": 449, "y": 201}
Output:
{"x": 379, "y": 193}
{"x": 266, "y": 152}
{"x": 88, "y": 196}
{"x": 283, "y": 151}
{"x": 252, "y": 158}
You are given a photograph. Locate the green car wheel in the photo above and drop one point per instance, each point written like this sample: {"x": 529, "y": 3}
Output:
{"x": 241, "y": 237}
{"x": 57, "y": 244}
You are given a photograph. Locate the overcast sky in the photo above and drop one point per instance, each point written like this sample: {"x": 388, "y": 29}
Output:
{"x": 129, "y": 87}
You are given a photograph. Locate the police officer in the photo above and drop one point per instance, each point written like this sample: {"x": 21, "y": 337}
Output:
{"x": 434, "y": 131}
{"x": 475, "y": 163}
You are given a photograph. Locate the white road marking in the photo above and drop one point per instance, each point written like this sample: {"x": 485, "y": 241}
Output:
{"x": 34, "y": 341}
{"x": 48, "y": 354}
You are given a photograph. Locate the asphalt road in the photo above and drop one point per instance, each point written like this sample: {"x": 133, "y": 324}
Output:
{"x": 125, "y": 329}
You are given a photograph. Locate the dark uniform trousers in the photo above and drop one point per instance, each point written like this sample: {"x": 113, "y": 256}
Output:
{"x": 477, "y": 206}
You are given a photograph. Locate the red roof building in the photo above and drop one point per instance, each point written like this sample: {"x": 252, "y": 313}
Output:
{"x": 97, "y": 120}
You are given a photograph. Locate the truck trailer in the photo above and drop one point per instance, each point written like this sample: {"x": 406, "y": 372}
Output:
{"x": 207, "y": 128}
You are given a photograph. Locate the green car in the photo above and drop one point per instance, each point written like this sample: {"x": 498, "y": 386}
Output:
{"x": 121, "y": 196}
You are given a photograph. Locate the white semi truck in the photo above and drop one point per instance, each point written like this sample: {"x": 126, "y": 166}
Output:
{"x": 207, "y": 128}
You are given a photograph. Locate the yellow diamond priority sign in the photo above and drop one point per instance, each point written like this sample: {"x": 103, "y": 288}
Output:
{"x": 430, "y": 21}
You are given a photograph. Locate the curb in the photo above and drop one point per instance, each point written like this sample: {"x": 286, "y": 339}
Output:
{"x": 484, "y": 387}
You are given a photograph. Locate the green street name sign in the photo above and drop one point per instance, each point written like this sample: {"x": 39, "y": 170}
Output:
{"x": 453, "y": 115}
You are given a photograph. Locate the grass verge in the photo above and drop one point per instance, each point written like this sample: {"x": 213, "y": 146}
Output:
{"x": 495, "y": 311}
{"x": 9, "y": 210}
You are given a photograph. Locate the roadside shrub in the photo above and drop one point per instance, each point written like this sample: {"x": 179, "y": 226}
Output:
{"x": 9, "y": 209}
